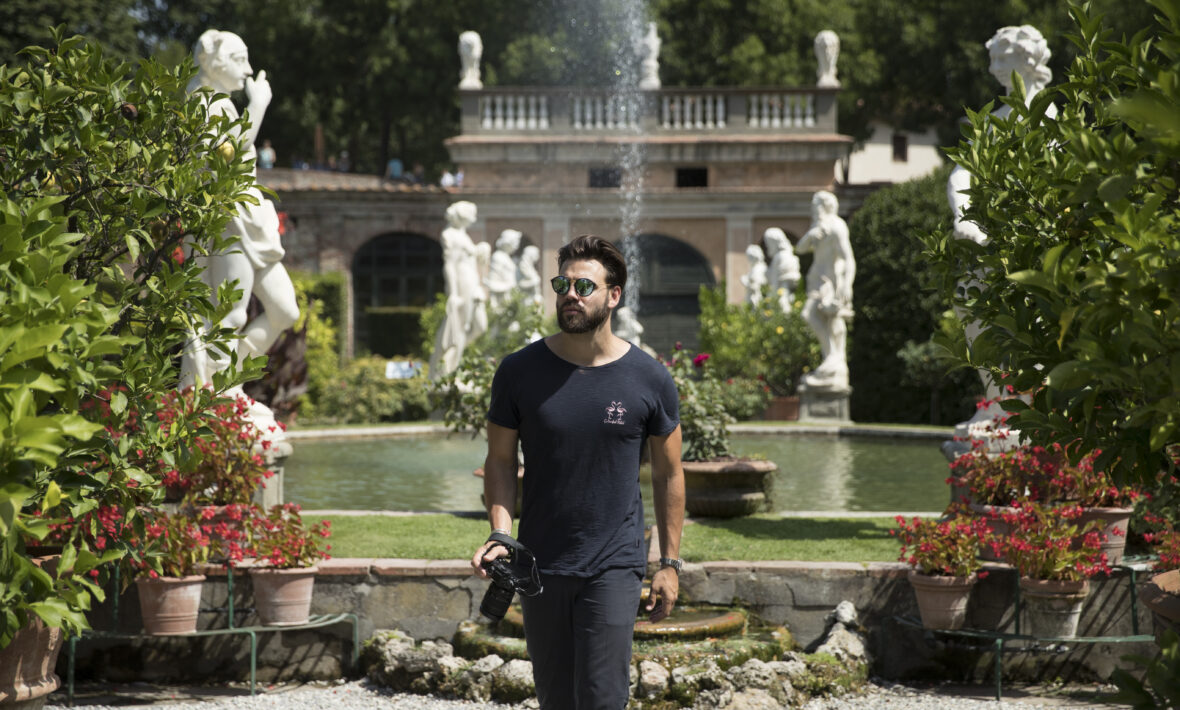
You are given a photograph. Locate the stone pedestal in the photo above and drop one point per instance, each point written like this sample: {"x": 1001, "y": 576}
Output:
{"x": 272, "y": 494}
{"x": 829, "y": 404}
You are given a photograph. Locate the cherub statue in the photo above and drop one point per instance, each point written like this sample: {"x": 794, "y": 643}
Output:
{"x": 783, "y": 273}
{"x": 528, "y": 279}
{"x": 649, "y": 64}
{"x": 254, "y": 260}
{"x": 755, "y": 280}
{"x": 501, "y": 279}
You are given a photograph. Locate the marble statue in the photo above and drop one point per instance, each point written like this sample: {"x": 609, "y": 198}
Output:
{"x": 755, "y": 279}
{"x": 470, "y": 52}
{"x": 502, "y": 278}
{"x": 782, "y": 275}
{"x": 528, "y": 279}
{"x": 827, "y": 51}
{"x": 1022, "y": 50}
{"x": 254, "y": 260}
{"x": 466, "y": 316}
{"x": 1012, "y": 49}
{"x": 829, "y": 291}
{"x": 649, "y": 63}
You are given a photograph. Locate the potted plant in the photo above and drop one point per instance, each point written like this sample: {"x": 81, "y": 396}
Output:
{"x": 1101, "y": 499}
{"x": 716, "y": 483}
{"x": 227, "y": 465}
{"x": 174, "y": 545}
{"x": 286, "y": 552}
{"x": 944, "y": 554}
{"x": 1055, "y": 556}
{"x": 1162, "y": 593}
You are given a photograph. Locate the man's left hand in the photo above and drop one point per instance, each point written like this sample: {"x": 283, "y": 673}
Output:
{"x": 665, "y": 587}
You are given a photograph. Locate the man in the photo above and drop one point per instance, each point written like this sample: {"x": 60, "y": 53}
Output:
{"x": 581, "y": 403}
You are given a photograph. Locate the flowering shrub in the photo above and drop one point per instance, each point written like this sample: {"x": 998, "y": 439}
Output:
{"x": 281, "y": 539}
{"x": 174, "y": 544}
{"x": 745, "y": 397}
{"x": 704, "y": 421}
{"x": 945, "y": 547}
{"x": 1166, "y": 542}
{"x": 227, "y": 465}
{"x": 1046, "y": 543}
{"x": 1037, "y": 473}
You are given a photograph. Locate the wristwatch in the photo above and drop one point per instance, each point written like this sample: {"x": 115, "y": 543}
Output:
{"x": 672, "y": 562}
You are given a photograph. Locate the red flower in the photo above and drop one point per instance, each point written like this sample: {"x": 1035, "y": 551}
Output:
{"x": 178, "y": 255}
{"x": 700, "y": 359}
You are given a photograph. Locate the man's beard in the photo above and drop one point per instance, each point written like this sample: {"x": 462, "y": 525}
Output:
{"x": 582, "y": 322}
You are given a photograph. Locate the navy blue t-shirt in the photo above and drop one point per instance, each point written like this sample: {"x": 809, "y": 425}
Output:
{"x": 582, "y": 431}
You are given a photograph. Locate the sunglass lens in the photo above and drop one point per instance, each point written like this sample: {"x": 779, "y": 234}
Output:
{"x": 584, "y": 287}
{"x": 560, "y": 285}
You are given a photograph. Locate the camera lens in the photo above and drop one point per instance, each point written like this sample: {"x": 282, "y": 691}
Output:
{"x": 496, "y": 601}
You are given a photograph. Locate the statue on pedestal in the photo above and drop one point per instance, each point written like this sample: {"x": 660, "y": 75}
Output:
{"x": 649, "y": 63}
{"x": 755, "y": 279}
{"x": 1022, "y": 50}
{"x": 470, "y": 52}
{"x": 254, "y": 260}
{"x": 827, "y": 51}
{"x": 528, "y": 279}
{"x": 466, "y": 313}
{"x": 502, "y": 278}
{"x": 782, "y": 275}
{"x": 829, "y": 291}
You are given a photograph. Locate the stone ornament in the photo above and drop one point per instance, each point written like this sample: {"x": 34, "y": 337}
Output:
{"x": 829, "y": 291}
{"x": 827, "y": 51}
{"x": 783, "y": 274}
{"x": 1023, "y": 50}
{"x": 755, "y": 279}
{"x": 649, "y": 63}
{"x": 254, "y": 259}
{"x": 466, "y": 316}
{"x": 470, "y": 52}
{"x": 502, "y": 270}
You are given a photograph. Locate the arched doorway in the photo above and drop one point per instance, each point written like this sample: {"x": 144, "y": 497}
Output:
{"x": 671, "y": 273}
{"x": 394, "y": 277}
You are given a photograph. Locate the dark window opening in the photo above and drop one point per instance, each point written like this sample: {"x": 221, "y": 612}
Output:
{"x": 692, "y": 177}
{"x": 901, "y": 148}
{"x": 606, "y": 177}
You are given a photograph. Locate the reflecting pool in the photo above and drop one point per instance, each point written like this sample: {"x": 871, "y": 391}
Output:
{"x": 433, "y": 473}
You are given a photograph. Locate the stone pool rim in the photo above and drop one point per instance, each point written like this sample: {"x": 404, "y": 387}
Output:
{"x": 895, "y": 431}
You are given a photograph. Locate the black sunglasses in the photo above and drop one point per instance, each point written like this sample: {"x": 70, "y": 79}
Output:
{"x": 583, "y": 287}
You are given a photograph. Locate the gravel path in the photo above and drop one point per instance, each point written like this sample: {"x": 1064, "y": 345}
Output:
{"x": 360, "y": 695}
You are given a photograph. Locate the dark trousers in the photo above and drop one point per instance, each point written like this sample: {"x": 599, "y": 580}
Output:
{"x": 579, "y": 639}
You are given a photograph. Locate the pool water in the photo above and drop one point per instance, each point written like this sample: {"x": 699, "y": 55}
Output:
{"x": 433, "y": 473}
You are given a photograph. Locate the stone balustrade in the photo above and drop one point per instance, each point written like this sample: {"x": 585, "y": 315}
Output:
{"x": 560, "y": 111}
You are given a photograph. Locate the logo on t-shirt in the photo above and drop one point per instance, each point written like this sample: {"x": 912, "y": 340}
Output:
{"x": 614, "y": 413}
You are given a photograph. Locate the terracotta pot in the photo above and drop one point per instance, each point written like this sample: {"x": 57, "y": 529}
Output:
{"x": 1162, "y": 596}
{"x": 726, "y": 489}
{"x": 782, "y": 409}
{"x": 169, "y": 605}
{"x": 282, "y": 597}
{"x": 1114, "y": 529}
{"x": 999, "y": 527}
{"x": 1052, "y": 608}
{"x": 942, "y": 601}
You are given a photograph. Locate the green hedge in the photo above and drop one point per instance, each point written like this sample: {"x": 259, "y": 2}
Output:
{"x": 893, "y": 307}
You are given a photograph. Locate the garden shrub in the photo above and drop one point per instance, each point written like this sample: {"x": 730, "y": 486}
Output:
{"x": 360, "y": 394}
{"x": 894, "y": 306}
{"x": 316, "y": 293}
{"x": 107, "y": 182}
{"x": 765, "y": 344}
{"x": 745, "y": 398}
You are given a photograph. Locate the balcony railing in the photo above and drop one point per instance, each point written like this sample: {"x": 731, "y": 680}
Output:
{"x": 563, "y": 111}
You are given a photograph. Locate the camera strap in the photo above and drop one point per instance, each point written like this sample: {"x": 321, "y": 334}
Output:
{"x": 520, "y": 556}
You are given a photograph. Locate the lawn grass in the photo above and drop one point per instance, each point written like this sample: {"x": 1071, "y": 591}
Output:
{"x": 760, "y": 537}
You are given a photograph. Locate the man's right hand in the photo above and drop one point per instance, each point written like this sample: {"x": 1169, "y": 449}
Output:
{"x": 487, "y": 551}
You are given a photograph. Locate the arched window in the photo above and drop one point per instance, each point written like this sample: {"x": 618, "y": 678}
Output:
{"x": 394, "y": 277}
{"x": 670, "y": 273}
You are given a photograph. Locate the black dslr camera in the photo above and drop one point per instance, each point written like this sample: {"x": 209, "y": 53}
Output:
{"x": 515, "y": 573}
